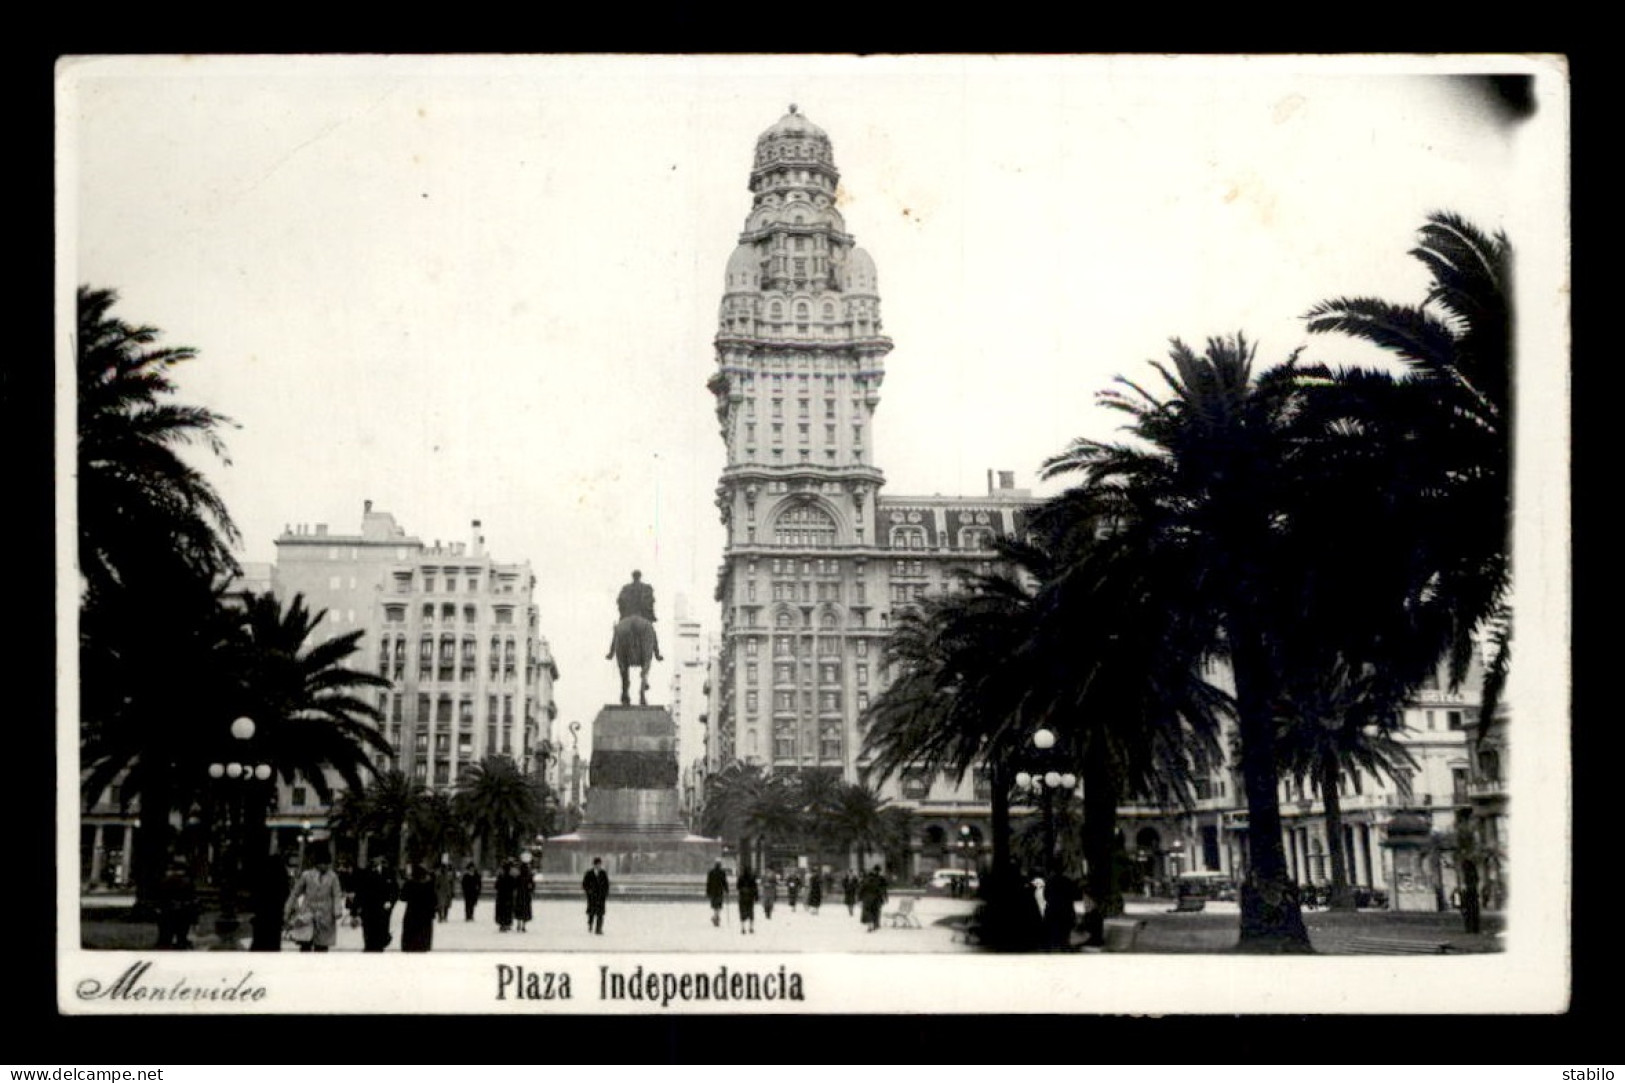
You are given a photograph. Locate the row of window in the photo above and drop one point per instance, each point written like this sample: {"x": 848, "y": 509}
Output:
{"x": 785, "y": 646}
{"x": 453, "y": 584}
{"x": 442, "y": 709}
{"x": 396, "y": 614}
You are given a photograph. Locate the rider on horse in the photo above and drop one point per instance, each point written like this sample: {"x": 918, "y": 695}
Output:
{"x": 637, "y": 598}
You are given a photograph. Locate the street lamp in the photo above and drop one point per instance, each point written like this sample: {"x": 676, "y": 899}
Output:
{"x": 966, "y": 844}
{"x": 234, "y": 778}
{"x": 1044, "y": 786}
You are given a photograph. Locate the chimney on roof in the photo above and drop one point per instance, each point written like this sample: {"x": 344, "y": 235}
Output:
{"x": 1007, "y": 479}
{"x": 479, "y": 540}
{"x": 366, "y": 507}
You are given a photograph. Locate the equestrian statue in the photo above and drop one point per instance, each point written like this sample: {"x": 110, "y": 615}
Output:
{"x": 634, "y": 642}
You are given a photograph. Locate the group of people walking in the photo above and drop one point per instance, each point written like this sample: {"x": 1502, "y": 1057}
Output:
{"x": 749, "y": 889}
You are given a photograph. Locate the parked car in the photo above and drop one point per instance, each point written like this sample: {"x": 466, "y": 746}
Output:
{"x": 955, "y": 882}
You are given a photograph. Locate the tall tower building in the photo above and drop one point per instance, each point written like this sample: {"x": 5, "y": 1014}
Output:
{"x": 800, "y": 359}
{"x": 817, "y": 563}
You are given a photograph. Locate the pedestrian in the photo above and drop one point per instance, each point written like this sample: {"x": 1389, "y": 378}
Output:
{"x": 1470, "y": 902}
{"x": 269, "y": 892}
{"x": 747, "y": 901}
{"x": 317, "y": 889}
{"x": 471, "y": 890}
{"x": 596, "y": 886}
{"x": 872, "y": 894}
{"x": 792, "y": 887}
{"x": 419, "y": 903}
{"x": 524, "y": 893}
{"x": 445, "y": 890}
{"x": 849, "y": 891}
{"x": 376, "y": 892}
{"x": 716, "y": 891}
{"x": 177, "y": 907}
{"x": 770, "y": 893}
{"x": 347, "y": 877}
{"x": 815, "y": 893}
{"x": 507, "y": 887}
{"x": 1061, "y": 894}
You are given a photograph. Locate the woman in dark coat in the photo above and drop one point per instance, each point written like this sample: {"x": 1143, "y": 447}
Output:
{"x": 471, "y": 890}
{"x": 272, "y": 882}
{"x": 418, "y": 896}
{"x": 507, "y": 887}
{"x": 849, "y": 891}
{"x": 746, "y": 887}
{"x": 445, "y": 890}
{"x": 524, "y": 892}
{"x": 815, "y": 893}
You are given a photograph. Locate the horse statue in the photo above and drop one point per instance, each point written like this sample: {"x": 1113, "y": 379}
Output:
{"x": 634, "y": 644}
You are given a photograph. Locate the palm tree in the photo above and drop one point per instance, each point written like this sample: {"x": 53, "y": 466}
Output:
{"x": 499, "y": 805}
{"x": 143, "y": 511}
{"x": 381, "y": 811}
{"x": 817, "y": 796}
{"x": 1200, "y": 501}
{"x": 1457, "y": 346}
{"x": 857, "y": 821}
{"x": 1334, "y": 726}
{"x": 743, "y": 801}
{"x": 1121, "y": 661}
{"x": 956, "y": 698}
{"x": 305, "y": 702}
{"x": 154, "y": 537}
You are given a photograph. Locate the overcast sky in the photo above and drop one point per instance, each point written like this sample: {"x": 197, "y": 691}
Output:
{"x": 487, "y": 288}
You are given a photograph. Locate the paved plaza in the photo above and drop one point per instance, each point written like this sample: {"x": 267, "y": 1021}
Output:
{"x": 560, "y": 925}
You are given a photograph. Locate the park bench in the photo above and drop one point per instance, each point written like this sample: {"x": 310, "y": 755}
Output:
{"x": 1393, "y": 945}
{"x": 903, "y": 917}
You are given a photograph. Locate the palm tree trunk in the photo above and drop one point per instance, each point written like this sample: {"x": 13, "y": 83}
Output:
{"x": 1100, "y": 800}
{"x": 1271, "y": 920}
{"x": 149, "y": 849}
{"x": 1342, "y": 898}
{"x": 1000, "y": 815}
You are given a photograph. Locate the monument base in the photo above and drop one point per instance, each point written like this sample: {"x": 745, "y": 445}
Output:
{"x": 632, "y": 817}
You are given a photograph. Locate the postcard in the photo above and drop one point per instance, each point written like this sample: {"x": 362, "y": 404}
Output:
{"x": 554, "y": 523}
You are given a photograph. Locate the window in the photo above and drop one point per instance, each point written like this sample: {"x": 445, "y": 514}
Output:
{"x": 916, "y": 784}
{"x": 428, "y": 584}
{"x": 428, "y": 613}
{"x": 470, "y": 614}
{"x": 504, "y": 614}
{"x": 442, "y": 710}
{"x": 465, "y": 711}
{"x": 395, "y": 614}
{"x": 1453, "y": 720}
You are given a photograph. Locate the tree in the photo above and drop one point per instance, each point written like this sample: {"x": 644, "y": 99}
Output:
{"x": 306, "y": 703}
{"x": 956, "y": 698}
{"x": 1332, "y": 727}
{"x": 856, "y": 821}
{"x": 499, "y": 805}
{"x": 1119, "y": 660}
{"x": 744, "y": 802}
{"x": 382, "y": 811}
{"x": 144, "y": 513}
{"x": 1201, "y": 501}
{"x": 818, "y": 794}
{"x": 154, "y": 538}
{"x": 1457, "y": 346}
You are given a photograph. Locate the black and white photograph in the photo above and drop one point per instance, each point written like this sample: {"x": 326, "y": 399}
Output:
{"x": 813, "y": 534}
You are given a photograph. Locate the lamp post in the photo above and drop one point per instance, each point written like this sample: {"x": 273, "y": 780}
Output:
{"x": 234, "y": 780}
{"x": 1044, "y": 786}
{"x": 575, "y": 771}
{"x": 966, "y": 844}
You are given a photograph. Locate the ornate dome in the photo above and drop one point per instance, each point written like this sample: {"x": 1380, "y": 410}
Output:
{"x": 793, "y": 138}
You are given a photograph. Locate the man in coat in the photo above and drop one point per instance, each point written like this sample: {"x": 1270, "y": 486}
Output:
{"x": 596, "y": 885}
{"x": 375, "y": 895}
{"x": 716, "y": 890}
{"x": 872, "y": 894}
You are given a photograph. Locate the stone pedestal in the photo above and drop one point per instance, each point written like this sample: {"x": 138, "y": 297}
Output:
{"x": 633, "y": 815}
{"x": 1416, "y": 884}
